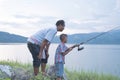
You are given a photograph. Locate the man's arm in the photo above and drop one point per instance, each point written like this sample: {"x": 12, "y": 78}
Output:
{"x": 43, "y": 44}
{"x": 47, "y": 49}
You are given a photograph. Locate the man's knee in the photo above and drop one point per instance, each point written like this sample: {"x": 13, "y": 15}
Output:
{"x": 36, "y": 63}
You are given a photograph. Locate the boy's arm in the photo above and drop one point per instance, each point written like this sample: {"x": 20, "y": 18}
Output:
{"x": 76, "y": 45}
{"x": 69, "y": 49}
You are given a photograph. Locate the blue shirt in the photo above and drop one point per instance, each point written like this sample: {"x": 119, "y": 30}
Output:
{"x": 59, "y": 57}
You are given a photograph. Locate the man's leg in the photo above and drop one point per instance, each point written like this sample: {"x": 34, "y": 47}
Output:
{"x": 36, "y": 65}
{"x": 34, "y": 50}
{"x": 36, "y": 71}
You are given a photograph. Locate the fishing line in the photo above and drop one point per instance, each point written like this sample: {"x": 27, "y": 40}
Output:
{"x": 103, "y": 33}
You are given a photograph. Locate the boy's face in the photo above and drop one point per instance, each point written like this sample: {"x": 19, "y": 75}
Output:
{"x": 65, "y": 39}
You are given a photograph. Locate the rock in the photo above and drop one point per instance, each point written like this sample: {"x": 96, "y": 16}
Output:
{"x": 12, "y": 73}
{"x": 51, "y": 73}
{"x": 21, "y": 74}
{"x": 5, "y": 71}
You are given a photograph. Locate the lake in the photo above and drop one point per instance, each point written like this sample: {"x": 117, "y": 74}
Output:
{"x": 98, "y": 58}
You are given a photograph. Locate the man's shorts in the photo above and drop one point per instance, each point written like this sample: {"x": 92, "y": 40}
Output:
{"x": 34, "y": 49}
{"x": 59, "y": 69}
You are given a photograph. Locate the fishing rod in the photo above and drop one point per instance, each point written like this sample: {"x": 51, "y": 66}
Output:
{"x": 103, "y": 33}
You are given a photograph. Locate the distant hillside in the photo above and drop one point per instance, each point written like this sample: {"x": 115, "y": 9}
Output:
{"x": 112, "y": 37}
{"x": 11, "y": 38}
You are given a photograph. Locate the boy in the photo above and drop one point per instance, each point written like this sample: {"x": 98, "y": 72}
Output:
{"x": 61, "y": 51}
{"x": 38, "y": 44}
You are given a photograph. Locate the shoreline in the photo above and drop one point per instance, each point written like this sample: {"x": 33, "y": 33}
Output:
{"x": 82, "y": 75}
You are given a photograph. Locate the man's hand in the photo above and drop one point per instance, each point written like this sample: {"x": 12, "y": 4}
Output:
{"x": 46, "y": 53}
{"x": 42, "y": 46}
{"x": 39, "y": 56}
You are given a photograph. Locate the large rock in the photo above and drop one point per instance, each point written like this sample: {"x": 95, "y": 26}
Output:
{"x": 21, "y": 74}
{"x": 7, "y": 72}
{"x": 51, "y": 73}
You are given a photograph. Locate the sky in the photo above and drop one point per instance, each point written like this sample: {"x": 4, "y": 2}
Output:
{"x": 25, "y": 17}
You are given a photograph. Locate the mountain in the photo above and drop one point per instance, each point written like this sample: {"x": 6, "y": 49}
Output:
{"x": 112, "y": 37}
{"x": 11, "y": 38}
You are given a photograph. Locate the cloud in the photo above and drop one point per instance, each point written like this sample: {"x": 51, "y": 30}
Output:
{"x": 25, "y": 17}
{"x": 117, "y": 8}
{"x": 26, "y": 25}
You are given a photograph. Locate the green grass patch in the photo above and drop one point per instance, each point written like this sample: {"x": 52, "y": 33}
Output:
{"x": 16, "y": 64}
{"x": 71, "y": 75}
{"x": 82, "y": 75}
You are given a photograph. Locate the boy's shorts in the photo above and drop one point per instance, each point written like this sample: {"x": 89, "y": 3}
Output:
{"x": 59, "y": 69}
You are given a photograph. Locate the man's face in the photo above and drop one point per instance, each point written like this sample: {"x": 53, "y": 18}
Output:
{"x": 60, "y": 28}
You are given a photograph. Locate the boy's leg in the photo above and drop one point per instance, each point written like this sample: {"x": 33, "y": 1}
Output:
{"x": 59, "y": 70}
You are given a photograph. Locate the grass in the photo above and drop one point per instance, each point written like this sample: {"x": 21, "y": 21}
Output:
{"x": 82, "y": 75}
{"x": 71, "y": 75}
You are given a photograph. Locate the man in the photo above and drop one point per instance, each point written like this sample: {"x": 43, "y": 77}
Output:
{"x": 38, "y": 45}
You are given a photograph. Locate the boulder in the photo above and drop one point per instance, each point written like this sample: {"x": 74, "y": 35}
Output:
{"x": 7, "y": 72}
{"x": 51, "y": 73}
{"x": 21, "y": 74}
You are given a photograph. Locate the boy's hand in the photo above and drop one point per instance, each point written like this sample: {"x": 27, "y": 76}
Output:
{"x": 76, "y": 45}
{"x": 82, "y": 43}
{"x": 70, "y": 49}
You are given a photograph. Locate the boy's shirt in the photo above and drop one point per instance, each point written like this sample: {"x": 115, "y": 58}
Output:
{"x": 58, "y": 55}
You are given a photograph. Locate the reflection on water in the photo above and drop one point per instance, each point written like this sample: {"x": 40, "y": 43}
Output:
{"x": 99, "y": 58}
